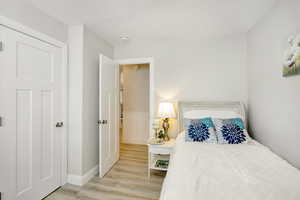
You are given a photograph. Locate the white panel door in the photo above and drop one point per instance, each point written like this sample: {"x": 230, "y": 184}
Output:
{"x": 108, "y": 114}
{"x": 30, "y": 106}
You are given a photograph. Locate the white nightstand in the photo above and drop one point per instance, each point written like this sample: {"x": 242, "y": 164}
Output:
{"x": 159, "y": 152}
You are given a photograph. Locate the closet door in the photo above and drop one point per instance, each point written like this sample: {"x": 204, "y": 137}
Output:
{"x": 30, "y": 106}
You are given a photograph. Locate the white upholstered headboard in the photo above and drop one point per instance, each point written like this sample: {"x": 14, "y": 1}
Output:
{"x": 231, "y": 106}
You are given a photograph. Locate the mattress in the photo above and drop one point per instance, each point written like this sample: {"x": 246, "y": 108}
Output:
{"x": 200, "y": 171}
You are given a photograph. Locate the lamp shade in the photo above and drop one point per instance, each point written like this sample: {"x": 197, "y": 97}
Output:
{"x": 166, "y": 110}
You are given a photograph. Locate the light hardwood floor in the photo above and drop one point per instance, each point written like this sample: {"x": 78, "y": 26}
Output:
{"x": 127, "y": 180}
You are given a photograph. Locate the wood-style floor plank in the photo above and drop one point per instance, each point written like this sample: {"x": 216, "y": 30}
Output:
{"x": 127, "y": 180}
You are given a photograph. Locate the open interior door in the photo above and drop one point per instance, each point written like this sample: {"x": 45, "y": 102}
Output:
{"x": 108, "y": 114}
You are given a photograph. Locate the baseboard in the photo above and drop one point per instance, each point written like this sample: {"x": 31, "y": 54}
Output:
{"x": 81, "y": 180}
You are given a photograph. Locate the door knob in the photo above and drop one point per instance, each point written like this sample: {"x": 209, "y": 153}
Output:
{"x": 59, "y": 124}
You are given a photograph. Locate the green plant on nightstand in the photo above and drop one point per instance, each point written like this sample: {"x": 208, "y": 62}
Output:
{"x": 161, "y": 135}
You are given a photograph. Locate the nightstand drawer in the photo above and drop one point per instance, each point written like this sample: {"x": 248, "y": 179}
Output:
{"x": 162, "y": 151}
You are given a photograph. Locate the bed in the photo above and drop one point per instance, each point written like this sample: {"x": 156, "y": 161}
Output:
{"x": 202, "y": 171}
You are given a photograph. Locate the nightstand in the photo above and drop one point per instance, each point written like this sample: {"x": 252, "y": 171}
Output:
{"x": 159, "y": 152}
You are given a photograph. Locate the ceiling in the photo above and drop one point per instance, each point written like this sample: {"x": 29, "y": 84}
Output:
{"x": 158, "y": 19}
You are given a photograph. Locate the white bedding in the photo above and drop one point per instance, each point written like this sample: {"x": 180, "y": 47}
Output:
{"x": 201, "y": 171}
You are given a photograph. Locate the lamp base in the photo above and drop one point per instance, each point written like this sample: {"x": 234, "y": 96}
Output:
{"x": 166, "y": 127}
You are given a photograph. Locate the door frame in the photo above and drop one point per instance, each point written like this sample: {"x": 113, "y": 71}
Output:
{"x": 150, "y": 61}
{"x": 16, "y": 26}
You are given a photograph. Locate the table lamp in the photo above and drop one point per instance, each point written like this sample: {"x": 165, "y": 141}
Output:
{"x": 166, "y": 110}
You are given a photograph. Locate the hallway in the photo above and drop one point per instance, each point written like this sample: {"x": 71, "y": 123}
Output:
{"x": 127, "y": 180}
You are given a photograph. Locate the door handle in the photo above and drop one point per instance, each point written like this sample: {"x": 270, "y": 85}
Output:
{"x": 59, "y": 124}
{"x": 0, "y": 125}
{"x": 102, "y": 122}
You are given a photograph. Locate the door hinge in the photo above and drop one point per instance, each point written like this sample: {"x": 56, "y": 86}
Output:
{"x": 1, "y": 49}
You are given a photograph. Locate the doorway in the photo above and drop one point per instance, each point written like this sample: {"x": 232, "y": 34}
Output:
{"x": 109, "y": 109}
{"x": 134, "y": 103}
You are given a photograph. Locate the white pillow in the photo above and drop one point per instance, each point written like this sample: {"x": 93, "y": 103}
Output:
{"x": 197, "y": 114}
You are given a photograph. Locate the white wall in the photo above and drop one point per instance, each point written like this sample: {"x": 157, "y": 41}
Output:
{"x": 24, "y": 12}
{"x": 274, "y": 101}
{"x": 93, "y": 46}
{"x": 84, "y": 50}
{"x": 135, "y": 104}
{"x": 75, "y": 99}
{"x": 194, "y": 70}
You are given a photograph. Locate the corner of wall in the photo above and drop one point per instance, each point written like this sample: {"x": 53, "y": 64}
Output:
{"x": 75, "y": 37}
{"x": 85, "y": 48}
{"x": 82, "y": 180}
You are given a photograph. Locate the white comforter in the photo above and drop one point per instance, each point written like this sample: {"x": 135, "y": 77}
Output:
{"x": 229, "y": 172}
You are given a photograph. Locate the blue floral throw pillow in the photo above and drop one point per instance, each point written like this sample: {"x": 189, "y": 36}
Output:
{"x": 200, "y": 130}
{"x": 231, "y": 131}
